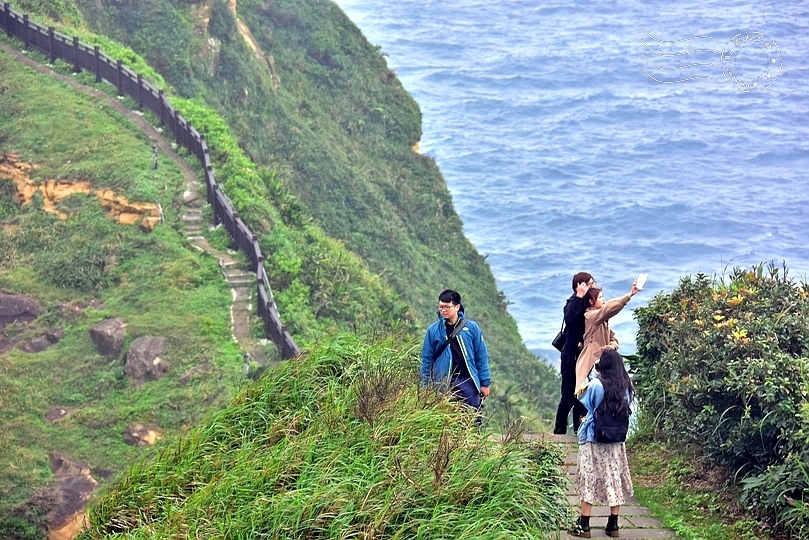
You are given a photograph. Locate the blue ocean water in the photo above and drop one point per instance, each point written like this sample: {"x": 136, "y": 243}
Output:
{"x": 615, "y": 138}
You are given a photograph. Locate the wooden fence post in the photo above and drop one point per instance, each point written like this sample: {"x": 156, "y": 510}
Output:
{"x": 206, "y": 154}
{"x": 76, "y": 67}
{"x": 234, "y": 233}
{"x": 7, "y": 20}
{"x": 210, "y": 184}
{"x": 140, "y": 92}
{"x": 25, "y": 29}
{"x": 52, "y": 44}
{"x": 97, "y": 53}
{"x": 217, "y": 219}
{"x": 175, "y": 121}
{"x": 178, "y": 122}
{"x": 161, "y": 98}
{"x": 120, "y": 78}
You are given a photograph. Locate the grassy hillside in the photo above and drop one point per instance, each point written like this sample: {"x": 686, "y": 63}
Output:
{"x": 339, "y": 444}
{"x": 155, "y": 281}
{"x": 316, "y": 105}
{"x": 380, "y": 271}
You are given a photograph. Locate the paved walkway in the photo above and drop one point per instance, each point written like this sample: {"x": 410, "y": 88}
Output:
{"x": 636, "y": 521}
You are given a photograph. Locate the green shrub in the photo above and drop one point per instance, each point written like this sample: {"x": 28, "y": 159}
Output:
{"x": 8, "y": 206}
{"x": 724, "y": 364}
{"x": 18, "y": 529}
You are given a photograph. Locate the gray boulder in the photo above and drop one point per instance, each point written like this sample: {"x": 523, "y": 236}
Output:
{"x": 40, "y": 343}
{"x": 108, "y": 337}
{"x": 18, "y": 307}
{"x": 143, "y": 360}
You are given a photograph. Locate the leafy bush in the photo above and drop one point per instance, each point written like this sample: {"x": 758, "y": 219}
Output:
{"x": 724, "y": 364}
{"x": 19, "y": 529}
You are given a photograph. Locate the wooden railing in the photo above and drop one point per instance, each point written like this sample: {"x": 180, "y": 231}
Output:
{"x": 129, "y": 83}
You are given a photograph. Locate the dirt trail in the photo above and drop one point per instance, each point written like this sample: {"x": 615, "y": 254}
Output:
{"x": 245, "y": 32}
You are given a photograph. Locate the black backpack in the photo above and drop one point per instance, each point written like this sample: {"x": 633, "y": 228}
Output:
{"x": 611, "y": 427}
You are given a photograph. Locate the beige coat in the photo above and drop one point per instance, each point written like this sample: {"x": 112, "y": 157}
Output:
{"x": 597, "y": 334}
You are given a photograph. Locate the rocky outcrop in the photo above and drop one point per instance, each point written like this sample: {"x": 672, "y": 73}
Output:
{"x": 16, "y": 308}
{"x": 118, "y": 208}
{"x": 68, "y": 518}
{"x": 76, "y": 309}
{"x": 40, "y": 343}
{"x": 108, "y": 337}
{"x": 57, "y": 413}
{"x": 141, "y": 435}
{"x": 144, "y": 360}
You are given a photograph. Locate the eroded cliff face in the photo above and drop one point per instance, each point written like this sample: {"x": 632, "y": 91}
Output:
{"x": 118, "y": 208}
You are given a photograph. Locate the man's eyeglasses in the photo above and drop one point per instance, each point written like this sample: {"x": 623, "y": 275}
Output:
{"x": 445, "y": 307}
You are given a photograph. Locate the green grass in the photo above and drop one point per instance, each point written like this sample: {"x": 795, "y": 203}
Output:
{"x": 340, "y": 443}
{"x": 156, "y": 282}
{"x": 695, "y": 499}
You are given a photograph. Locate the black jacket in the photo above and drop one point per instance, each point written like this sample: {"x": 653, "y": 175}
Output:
{"x": 574, "y": 327}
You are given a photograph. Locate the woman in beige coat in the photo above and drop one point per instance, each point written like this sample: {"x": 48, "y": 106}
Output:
{"x": 597, "y": 332}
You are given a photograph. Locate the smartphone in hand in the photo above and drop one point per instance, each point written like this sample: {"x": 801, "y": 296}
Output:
{"x": 641, "y": 281}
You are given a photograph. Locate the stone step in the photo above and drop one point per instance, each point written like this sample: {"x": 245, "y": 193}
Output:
{"x": 243, "y": 295}
{"x": 226, "y": 261}
{"x": 192, "y": 195}
{"x": 636, "y": 522}
{"x": 240, "y": 279}
{"x": 626, "y": 534}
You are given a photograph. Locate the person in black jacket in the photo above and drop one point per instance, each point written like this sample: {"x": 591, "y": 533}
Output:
{"x": 574, "y": 329}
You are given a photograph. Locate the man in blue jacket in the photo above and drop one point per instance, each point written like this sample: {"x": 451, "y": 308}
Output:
{"x": 460, "y": 363}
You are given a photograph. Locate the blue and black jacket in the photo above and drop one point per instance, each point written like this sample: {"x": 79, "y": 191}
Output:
{"x": 475, "y": 355}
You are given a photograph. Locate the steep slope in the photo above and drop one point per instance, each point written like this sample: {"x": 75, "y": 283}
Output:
{"x": 71, "y": 401}
{"x": 74, "y": 168}
{"x": 314, "y": 102}
{"x": 339, "y": 444}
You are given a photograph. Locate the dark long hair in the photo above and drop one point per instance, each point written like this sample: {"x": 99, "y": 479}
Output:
{"x": 618, "y": 389}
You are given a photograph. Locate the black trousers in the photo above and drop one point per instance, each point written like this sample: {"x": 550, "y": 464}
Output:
{"x": 568, "y": 400}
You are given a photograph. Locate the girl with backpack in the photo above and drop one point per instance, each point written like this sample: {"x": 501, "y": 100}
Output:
{"x": 603, "y": 474}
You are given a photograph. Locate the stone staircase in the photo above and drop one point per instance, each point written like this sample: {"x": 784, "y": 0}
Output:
{"x": 635, "y": 522}
{"x": 242, "y": 282}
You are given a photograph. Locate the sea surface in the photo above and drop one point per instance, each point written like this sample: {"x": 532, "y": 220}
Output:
{"x": 670, "y": 138}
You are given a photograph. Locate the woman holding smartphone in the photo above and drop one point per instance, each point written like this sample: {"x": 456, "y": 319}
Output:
{"x": 597, "y": 333}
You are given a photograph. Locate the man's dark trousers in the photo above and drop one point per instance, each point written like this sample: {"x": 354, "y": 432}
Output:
{"x": 568, "y": 400}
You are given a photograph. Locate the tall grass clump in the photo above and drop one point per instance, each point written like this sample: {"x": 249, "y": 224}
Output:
{"x": 339, "y": 443}
{"x": 724, "y": 364}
